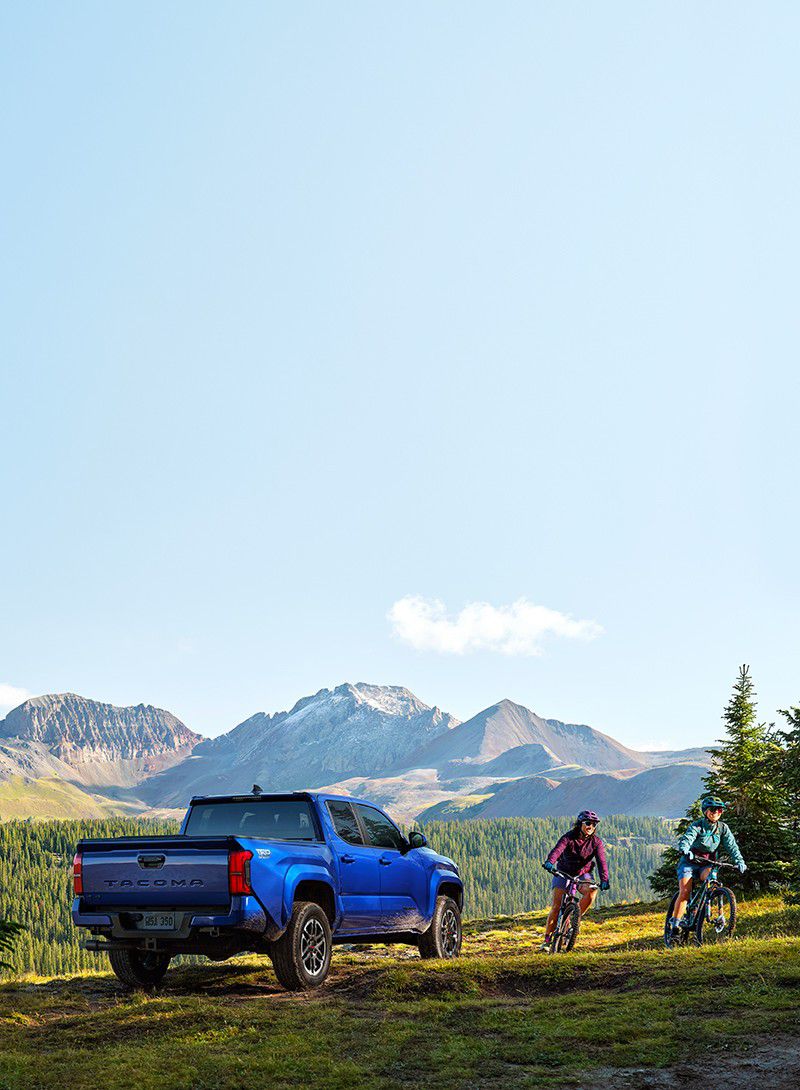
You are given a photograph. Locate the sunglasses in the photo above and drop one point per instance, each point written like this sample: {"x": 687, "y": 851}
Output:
{"x": 589, "y": 824}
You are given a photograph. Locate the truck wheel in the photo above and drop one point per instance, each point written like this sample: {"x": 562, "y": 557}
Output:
{"x": 139, "y": 968}
{"x": 443, "y": 937}
{"x": 301, "y": 957}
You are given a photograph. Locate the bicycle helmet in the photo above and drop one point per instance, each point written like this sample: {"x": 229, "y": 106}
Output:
{"x": 711, "y": 802}
{"x": 588, "y": 815}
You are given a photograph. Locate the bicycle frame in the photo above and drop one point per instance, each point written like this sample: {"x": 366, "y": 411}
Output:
{"x": 572, "y": 895}
{"x": 701, "y": 896}
{"x": 573, "y": 890}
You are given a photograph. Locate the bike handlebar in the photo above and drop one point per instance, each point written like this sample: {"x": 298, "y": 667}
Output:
{"x": 714, "y": 863}
{"x": 579, "y": 880}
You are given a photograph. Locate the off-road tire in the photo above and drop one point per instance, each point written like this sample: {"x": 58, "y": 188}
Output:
{"x": 717, "y": 921}
{"x": 443, "y": 937}
{"x": 139, "y": 968}
{"x": 565, "y": 935}
{"x": 301, "y": 957}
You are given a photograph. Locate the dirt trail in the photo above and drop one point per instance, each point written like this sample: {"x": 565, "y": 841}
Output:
{"x": 764, "y": 1063}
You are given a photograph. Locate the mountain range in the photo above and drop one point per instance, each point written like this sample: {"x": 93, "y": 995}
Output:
{"x": 65, "y": 755}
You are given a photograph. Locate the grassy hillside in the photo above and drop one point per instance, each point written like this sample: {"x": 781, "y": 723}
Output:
{"x": 52, "y": 797}
{"x": 501, "y": 1015}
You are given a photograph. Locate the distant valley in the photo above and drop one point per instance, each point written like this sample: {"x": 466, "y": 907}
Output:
{"x": 68, "y": 756}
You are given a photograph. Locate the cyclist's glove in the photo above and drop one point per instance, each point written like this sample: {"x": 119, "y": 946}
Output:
{"x": 605, "y": 885}
{"x": 742, "y": 868}
{"x": 548, "y": 866}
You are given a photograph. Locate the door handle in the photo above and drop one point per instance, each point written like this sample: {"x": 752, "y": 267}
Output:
{"x": 347, "y": 858}
{"x": 384, "y": 862}
{"x": 151, "y": 862}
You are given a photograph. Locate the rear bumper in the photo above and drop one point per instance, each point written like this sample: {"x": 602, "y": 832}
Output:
{"x": 246, "y": 917}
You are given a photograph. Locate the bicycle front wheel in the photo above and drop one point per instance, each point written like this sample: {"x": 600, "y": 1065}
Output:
{"x": 567, "y": 931}
{"x": 718, "y": 918}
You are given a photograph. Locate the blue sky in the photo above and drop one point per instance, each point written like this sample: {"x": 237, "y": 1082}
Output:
{"x": 310, "y": 309}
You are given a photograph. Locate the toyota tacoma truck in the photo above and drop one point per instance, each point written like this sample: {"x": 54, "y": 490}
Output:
{"x": 288, "y": 875}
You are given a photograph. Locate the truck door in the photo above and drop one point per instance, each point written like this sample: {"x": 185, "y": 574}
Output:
{"x": 404, "y": 880}
{"x": 358, "y": 871}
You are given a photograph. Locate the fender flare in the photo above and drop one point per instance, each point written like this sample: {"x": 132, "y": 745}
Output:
{"x": 307, "y": 872}
{"x": 439, "y": 878}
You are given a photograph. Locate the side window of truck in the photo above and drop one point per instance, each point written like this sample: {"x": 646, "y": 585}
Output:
{"x": 344, "y": 822}
{"x": 381, "y": 833}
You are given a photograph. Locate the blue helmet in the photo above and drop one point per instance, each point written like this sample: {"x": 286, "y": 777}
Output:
{"x": 711, "y": 802}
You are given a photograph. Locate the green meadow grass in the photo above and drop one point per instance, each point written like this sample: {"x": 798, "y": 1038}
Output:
{"x": 500, "y": 1015}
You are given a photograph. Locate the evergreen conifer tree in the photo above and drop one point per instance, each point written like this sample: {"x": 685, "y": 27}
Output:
{"x": 8, "y": 932}
{"x": 743, "y": 774}
{"x": 790, "y": 777}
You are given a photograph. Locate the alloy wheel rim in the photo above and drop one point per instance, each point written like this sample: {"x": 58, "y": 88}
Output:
{"x": 449, "y": 933}
{"x": 313, "y": 947}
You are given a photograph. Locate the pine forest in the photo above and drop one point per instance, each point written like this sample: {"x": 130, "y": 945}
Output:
{"x": 501, "y": 861}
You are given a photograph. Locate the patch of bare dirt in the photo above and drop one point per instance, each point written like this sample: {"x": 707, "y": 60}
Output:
{"x": 763, "y": 1063}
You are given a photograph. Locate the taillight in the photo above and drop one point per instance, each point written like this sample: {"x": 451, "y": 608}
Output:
{"x": 239, "y": 871}
{"x": 77, "y": 873}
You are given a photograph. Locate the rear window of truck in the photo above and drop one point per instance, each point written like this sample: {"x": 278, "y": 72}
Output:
{"x": 265, "y": 819}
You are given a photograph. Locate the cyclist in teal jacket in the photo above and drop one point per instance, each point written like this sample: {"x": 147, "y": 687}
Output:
{"x": 698, "y": 847}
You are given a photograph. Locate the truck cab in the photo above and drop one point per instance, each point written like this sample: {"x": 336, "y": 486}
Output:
{"x": 289, "y": 875}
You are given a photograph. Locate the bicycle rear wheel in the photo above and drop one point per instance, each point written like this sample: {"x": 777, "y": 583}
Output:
{"x": 718, "y": 918}
{"x": 567, "y": 930}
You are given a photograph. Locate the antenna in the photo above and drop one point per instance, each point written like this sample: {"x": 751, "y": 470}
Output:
{"x": 256, "y": 789}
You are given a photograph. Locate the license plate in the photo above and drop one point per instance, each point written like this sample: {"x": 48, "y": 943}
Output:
{"x": 157, "y": 921}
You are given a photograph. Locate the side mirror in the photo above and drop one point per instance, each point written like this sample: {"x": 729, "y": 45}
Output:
{"x": 416, "y": 839}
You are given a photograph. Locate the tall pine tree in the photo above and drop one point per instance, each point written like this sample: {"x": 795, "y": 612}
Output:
{"x": 8, "y": 932}
{"x": 743, "y": 774}
{"x": 789, "y": 773}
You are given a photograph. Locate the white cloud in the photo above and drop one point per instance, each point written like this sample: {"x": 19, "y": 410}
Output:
{"x": 11, "y": 696}
{"x": 515, "y": 629}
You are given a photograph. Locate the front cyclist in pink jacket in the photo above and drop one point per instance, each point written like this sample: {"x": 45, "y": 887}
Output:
{"x": 575, "y": 854}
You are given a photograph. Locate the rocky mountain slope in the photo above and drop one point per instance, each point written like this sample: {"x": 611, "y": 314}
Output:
{"x": 352, "y": 730}
{"x": 378, "y": 741}
{"x": 666, "y": 791}
{"x": 91, "y": 743}
{"x": 507, "y": 728}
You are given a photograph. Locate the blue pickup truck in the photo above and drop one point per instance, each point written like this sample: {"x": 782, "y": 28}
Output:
{"x": 289, "y": 875}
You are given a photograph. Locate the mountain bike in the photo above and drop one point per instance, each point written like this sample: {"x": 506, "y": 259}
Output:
{"x": 569, "y": 914}
{"x": 710, "y": 913}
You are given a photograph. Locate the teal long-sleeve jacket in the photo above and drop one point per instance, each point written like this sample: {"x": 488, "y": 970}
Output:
{"x": 704, "y": 837}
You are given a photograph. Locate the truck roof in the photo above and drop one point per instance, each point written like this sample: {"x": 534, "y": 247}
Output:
{"x": 244, "y": 796}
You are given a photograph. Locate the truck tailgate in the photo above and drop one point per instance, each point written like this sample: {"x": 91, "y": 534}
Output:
{"x": 170, "y": 871}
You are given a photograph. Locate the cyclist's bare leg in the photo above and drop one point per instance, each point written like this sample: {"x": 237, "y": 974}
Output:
{"x": 685, "y": 892}
{"x": 558, "y": 897}
{"x": 587, "y": 898}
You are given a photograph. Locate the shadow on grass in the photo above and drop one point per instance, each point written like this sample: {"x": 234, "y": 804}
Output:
{"x": 537, "y": 918}
{"x": 245, "y": 981}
